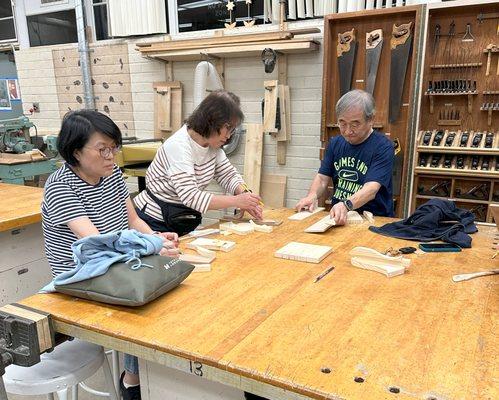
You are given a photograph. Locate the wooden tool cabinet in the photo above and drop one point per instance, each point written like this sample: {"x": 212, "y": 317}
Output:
{"x": 402, "y": 129}
{"x": 457, "y": 146}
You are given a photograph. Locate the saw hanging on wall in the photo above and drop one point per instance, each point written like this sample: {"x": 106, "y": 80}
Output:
{"x": 374, "y": 44}
{"x": 345, "y": 51}
{"x": 400, "y": 44}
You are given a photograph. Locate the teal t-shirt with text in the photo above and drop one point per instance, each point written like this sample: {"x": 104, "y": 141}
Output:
{"x": 350, "y": 166}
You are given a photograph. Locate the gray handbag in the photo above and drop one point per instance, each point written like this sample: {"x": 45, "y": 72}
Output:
{"x": 127, "y": 286}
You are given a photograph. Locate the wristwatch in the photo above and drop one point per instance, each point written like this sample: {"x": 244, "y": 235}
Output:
{"x": 348, "y": 204}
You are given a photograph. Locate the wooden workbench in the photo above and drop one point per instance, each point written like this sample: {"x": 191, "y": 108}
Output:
{"x": 19, "y": 206}
{"x": 261, "y": 324}
{"x": 23, "y": 265}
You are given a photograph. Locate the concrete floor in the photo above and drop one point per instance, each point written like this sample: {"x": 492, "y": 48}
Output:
{"x": 96, "y": 382}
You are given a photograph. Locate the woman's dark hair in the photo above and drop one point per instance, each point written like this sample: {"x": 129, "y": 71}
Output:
{"x": 216, "y": 110}
{"x": 78, "y": 126}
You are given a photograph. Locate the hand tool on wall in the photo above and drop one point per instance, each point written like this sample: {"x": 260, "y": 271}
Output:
{"x": 438, "y": 138}
{"x": 374, "y": 45}
{"x": 479, "y": 211}
{"x": 477, "y": 192}
{"x": 464, "y": 139}
{"x": 345, "y": 52}
{"x": 441, "y": 189}
{"x": 489, "y": 140}
{"x": 449, "y": 140}
{"x": 491, "y": 48}
{"x": 485, "y": 163}
{"x": 400, "y": 44}
{"x": 477, "y": 139}
{"x": 448, "y": 161}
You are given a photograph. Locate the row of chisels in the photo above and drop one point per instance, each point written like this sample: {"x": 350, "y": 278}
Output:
{"x": 400, "y": 48}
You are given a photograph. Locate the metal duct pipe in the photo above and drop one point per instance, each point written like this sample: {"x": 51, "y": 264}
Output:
{"x": 205, "y": 78}
{"x": 83, "y": 51}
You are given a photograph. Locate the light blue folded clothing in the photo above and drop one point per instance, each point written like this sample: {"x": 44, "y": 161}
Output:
{"x": 94, "y": 255}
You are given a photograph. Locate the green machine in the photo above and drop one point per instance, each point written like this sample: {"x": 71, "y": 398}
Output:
{"x": 15, "y": 142}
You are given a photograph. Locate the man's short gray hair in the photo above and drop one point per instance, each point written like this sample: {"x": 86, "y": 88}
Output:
{"x": 357, "y": 99}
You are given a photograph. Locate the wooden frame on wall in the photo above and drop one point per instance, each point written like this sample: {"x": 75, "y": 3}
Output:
{"x": 436, "y": 171}
{"x": 403, "y": 129}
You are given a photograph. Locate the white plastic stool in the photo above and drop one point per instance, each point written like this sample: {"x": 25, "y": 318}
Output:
{"x": 70, "y": 363}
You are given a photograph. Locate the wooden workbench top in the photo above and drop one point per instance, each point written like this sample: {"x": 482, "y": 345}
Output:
{"x": 19, "y": 206}
{"x": 264, "y": 318}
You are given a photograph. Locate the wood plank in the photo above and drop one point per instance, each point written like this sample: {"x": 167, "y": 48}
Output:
{"x": 167, "y": 108}
{"x": 19, "y": 206}
{"x": 253, "y": 155}
{"x": 273, "y": 190}
{"x": 288, "y": 47}
{"x": 220, "y": 41}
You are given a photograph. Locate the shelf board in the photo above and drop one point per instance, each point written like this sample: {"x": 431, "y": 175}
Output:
{"x": 456, "y": 172}
{"x": 242, "y": 50}
{"x": 473, "y": 93}
{"x": 458, "y": 150}
{"x": 420, "y": 196}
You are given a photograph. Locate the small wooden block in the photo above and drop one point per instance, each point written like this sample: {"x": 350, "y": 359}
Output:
{"x": 369, "y": 216}
{"x": 303, "y": 252}
{"x": 322, "y": 225}
{"x": 200, "y": 233}
{"x": 196, "y": 259}
{"x": 370, "y": 259}
{"x": 202, "y": 267}
{"x": 299, "y": 216}
{"x": 239, "y": 229}
{"x": 261, "y": 228}
{"x": 212, "y": 244}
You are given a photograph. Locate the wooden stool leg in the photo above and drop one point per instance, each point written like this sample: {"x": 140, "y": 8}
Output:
{"x": 62, "y": 394}
{"x": 74, "y": 392}
{"x": 109, "y": 380}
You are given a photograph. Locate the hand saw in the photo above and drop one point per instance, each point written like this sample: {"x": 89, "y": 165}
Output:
{"x": 400, "y": 44}
{"x": 345, "y": 51}
{"x": 374, "y": 44}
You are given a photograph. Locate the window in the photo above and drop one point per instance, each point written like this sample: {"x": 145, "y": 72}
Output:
{"x": 52, "y": 28}
{"x": 7, "y": 26}
{"x": 100, "y": 19}
{"x": 213, "y": 14}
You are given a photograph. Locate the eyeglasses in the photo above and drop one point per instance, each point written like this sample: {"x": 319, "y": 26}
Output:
{"x": 353, "y": 126}
{"x": 105, "y": 152}
{"x": 230, "y": 129}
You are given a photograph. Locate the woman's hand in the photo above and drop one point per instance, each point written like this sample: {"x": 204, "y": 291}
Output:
{"x": 250, "y": 202}
{"x": 170, "y": 249}
{"x": 247, "y": 200}
{"x": 170, "y": 236}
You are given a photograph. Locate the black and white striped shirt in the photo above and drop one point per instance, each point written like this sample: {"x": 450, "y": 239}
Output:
{"x": 67, "y": 197}
{"x": 180, "y": 173}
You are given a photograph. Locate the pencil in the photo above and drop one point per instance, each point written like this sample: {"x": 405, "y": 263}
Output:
{"x": 247, "y": 189}
{"x": 323, "y": 274}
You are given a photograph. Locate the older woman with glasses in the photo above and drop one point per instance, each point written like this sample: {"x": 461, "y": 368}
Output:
{"x": 88, "y": 196}
{"x": 175, "y": 197}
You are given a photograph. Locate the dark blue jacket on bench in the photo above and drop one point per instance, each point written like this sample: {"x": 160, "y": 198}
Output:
{"x": 434, "y": 220}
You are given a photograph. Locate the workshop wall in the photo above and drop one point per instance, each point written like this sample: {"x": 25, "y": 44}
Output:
{"x": 243, "y": 76}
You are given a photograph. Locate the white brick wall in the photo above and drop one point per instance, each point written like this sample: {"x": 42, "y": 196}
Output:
{"x": 243, "y": 76}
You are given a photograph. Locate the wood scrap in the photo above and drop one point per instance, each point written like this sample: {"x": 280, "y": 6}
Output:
{"x": 369, "y": 216}
{"x": 370, "y": 259}
{"x": 261, "y": 228}
{"x": 212, "y": 244}
{"x": 239, "y": 229}
{"x": 200, "y": 233}
{"x": 306, "y": 252}
{"x": 196, "y": 258}
{"x": 201, "y": 268}
{"x": 273, "y": 190}
{"x": 301, "y": 215}
{"x": 271, "y": 222}
{"x": 253, "y": 154}
{"x": 353, "y": 218}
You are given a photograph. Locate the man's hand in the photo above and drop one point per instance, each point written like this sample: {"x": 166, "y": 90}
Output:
{"x": 339, "y": 213}
{"x": 308, "y": 203}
